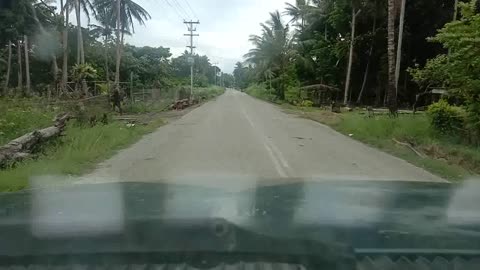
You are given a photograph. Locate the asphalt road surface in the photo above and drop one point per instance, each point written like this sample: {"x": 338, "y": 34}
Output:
{"x": 236, "y": 140}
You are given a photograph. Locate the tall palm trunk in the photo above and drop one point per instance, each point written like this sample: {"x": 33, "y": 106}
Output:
{"x": 391, "y": 91}
{"x": 399, "y": 46}
{"x": 80, "y": 50}
{"x": 9, "y": 67}
{"x": 118, "y": 56}
{"x": 350, "y": 57}
{"x": 107, "y": 73}
{"x": 27, "y": 66}
{"x": 20, "y": 66}
{"x": 65, "y": 14}
{"x": 367, "y": 68}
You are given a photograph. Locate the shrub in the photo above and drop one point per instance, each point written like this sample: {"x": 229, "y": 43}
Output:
{"x": 261, "y": 92}
{"x": 445, "y": 118}
{"x": 306, "y": 103}
{"x": 292, "y": 96}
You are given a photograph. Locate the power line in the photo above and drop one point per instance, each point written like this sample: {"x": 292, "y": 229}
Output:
{"x": 190, "y": 8}
{"x": 174, "y": 9}
{"x": 181, "y": 8}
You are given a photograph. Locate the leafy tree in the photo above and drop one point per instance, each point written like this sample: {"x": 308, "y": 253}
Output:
{"x": 273, "y": 50}
{"x": 457, "y": 71}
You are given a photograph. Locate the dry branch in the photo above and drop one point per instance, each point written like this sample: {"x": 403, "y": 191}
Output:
{"x": 410, "y": 147}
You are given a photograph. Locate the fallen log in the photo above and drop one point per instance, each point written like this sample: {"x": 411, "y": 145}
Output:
{"x": 23, "y": 147}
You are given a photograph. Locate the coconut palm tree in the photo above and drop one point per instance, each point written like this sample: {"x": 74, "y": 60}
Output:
{"x": 65, "y": 15}
{"x": 355, "y": 12}
{"x": 125, "y": 13}
{"x": 391, "y": 91}
{"x": 272, "y": 49}
{"x": 105, "y": 30}
{"x": 298, "y": 12}
{"x": 87, "y": 7}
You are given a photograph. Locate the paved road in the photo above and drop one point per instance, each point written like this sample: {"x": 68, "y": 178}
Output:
{"x": 242, "y": 139}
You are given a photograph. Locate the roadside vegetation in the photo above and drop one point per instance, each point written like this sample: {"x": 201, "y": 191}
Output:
{"x": 113, "y": 93}
{"x": 353, "y": 64}
{"x": 83, "y": 145}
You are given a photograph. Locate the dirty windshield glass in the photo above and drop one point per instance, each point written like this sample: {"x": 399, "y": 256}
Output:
{"x": 293, "y": 127}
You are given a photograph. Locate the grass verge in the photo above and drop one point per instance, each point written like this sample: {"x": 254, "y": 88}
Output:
{"x": 445, "y": 156}
{"x": 76, "y": 153}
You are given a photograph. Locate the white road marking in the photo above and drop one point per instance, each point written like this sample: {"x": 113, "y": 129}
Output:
{"x": 273, "y": 152}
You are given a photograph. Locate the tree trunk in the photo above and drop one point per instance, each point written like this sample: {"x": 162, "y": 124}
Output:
{"x": 80, "y": 51}
{"x": 20, "y": 66}
{"x": 55, "y": 71}
{"x": 22, "y": 147}
{"x": 107, "y": 73}
{"x": 65, "y": 14}
{"x": 28, "y": 90}
{"x": 455, "y": 10}
{"x": 118, "y": 54}
{"x": 391, "y": 91}
{"x": 9, "y": 67}
{"x": 399, "y": 46}
{"x": 326, "y": 32}
{"x": 350, "y": 57}
{"x": 370, "y": 52}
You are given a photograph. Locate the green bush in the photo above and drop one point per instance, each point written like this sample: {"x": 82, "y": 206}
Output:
{"x": 261, "y": 92}
{"x": 445, "y": 118}
{"x": 206, "y": 93}
{"x": 292, "y": 96}
{"x": 306, "y": 104}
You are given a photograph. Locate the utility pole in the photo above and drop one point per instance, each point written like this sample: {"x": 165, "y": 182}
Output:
{"x": 191, "y": 29}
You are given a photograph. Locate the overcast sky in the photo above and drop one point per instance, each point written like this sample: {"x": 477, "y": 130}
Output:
{"x": 224, "y": 29}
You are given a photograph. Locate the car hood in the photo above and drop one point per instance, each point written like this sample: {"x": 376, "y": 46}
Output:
{"x": 365, "y": 214}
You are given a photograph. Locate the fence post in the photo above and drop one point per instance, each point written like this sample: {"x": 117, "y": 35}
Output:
{"x": 143, "y": 94}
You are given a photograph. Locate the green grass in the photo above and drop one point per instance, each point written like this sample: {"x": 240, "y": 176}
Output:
{"x": 78, "y": 152}
{"x": 207, "y": 93}
{"x": 445, "y": 156}
{"x": 19, "y": 116}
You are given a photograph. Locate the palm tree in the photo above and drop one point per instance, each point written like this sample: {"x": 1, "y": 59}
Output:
{"x": 124, "y": 13}
{"x": 272, "y": 49}
{"x": 355, "y": 13}
{"x": 65, "y": 14}
{"x": 78, "y": 6}
{"x": 28, "y": 83}
{"x": 391, "y": 91}
{"x": 298, "y": 12}
{"x": 20, "y": 66}
{"x": 105, "y": 30}
{"x": 9, "y": 67}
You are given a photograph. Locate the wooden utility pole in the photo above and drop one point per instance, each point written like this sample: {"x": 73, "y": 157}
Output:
{"x": 191, "y": 29}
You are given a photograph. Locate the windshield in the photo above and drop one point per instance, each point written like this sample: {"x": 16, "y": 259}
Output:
{"x": 302, "y": 114}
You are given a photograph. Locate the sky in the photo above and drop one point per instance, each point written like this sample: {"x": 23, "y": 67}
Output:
{"x": 225, "y": 26}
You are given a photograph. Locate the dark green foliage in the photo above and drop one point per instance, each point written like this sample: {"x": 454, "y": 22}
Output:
{"x": 458, "y": 71}
{"x": 320, "y": 39}
{"x": 446, "y": 119}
